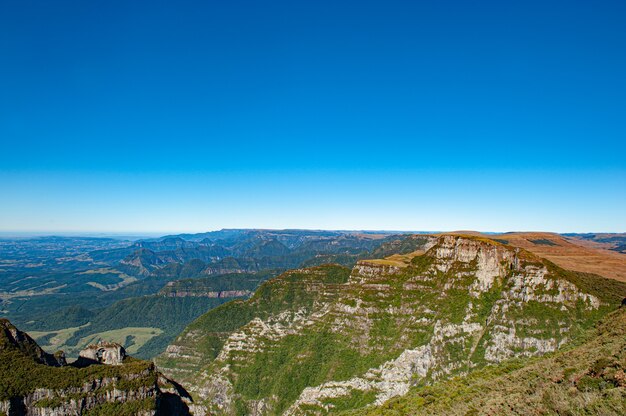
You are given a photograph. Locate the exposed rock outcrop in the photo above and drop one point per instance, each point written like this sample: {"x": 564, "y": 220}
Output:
{"x": 109, "y": 353}
{"x": 33, "y": 382}
{"x": 459, "y": 303}
{"x": 222, "y": 294}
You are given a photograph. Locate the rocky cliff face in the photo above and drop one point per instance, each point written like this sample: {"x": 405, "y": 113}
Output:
{"x": 327, "y": 338}
{"x": 587, "y": 379}
{"x": 221, "y": 294}
{"x": 108, "y": 353}
{"x": 103, "y": 381}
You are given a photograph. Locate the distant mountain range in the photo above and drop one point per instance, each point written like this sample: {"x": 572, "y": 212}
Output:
{"x": 70, "y": 290}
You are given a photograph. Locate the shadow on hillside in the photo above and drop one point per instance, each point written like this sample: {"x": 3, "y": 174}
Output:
{"x": 180, "y": 390}
{"x": 172, "y": 404}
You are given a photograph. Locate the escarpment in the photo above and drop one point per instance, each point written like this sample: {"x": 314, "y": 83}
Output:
{"x": 104, "y": 380}
{"x": 330, "y": 338}
{"x": 588, "y": 378}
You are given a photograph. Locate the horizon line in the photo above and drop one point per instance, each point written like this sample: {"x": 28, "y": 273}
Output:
{"x": 97, "y": 233}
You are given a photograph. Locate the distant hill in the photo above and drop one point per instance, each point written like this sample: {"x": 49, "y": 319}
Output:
{"x": 215, "y": 286}
{"x": 169, "y": 312}
{"x": 71, "y": 316}
{"x": 249, "y": 250}
{"x": 609, "y": 241}
{"x": 47, "y": 276}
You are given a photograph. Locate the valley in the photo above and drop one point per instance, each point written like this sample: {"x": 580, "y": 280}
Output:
{"x": 51, "y": 285}
{"x": 262, "y": 322}
{"x": 323, "y": 339}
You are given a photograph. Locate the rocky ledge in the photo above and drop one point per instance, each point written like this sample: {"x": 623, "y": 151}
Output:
{"x": 104, "y": 380}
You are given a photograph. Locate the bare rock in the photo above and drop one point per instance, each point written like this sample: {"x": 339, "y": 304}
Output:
{"x": 108, "y": 353}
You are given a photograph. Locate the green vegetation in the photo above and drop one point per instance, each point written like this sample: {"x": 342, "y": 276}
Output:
{"x": 201, "y": 286}
{"x": 421, "y": 263}
{"x": 588, "y": 379}
{"x": 21, "y": 375}
{"x": 307, "y": 359}
{"x": 356, "y": 399}
{"x": 123, "y": 409}
{"x": 22, "y": 372}
{"x": 49, "y": 402}
{"x": 134, "y": 338}
{"x": 282, "y": 293}
{"x": 347, "y": 260}
{"x": 55, "y": 340}
{"x": 167, "y": 315}
{"x": 307, "y": 327}
{"x": 354, "y": 327}
{"x": 189, "y": 269}
{"x": 607, "y": 290}
{"x": 71, "y": 316}
{"x": 402, "y": 245}
{"x": 295, "y": 363}
{"x": 112, "y": 284}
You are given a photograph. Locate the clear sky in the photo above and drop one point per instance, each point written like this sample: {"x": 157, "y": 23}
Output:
{"x": 139, "y": 116}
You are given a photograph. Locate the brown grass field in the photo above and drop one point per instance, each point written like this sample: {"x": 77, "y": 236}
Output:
{"x": 569, "y": 253}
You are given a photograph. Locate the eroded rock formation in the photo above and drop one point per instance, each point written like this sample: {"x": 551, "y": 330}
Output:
{"x": 109, "y": 353}
{"x": 369, "y": 334}
{"x": 103, "y": 379}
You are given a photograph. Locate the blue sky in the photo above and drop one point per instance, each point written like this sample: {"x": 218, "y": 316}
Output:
{"x": 190, "y": 116}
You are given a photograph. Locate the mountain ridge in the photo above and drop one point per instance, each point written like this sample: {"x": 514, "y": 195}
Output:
{"x": 34, "y": 382}
{"x": 479, "y": 300}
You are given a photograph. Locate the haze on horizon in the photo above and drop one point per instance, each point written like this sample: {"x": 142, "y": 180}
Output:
{"x": 160, "y": 117}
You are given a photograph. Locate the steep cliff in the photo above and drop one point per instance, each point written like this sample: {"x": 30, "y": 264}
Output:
{"x": 587, "y": 379}
{"x": 327, "y": 338}
{"x": 33, "y": 382}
